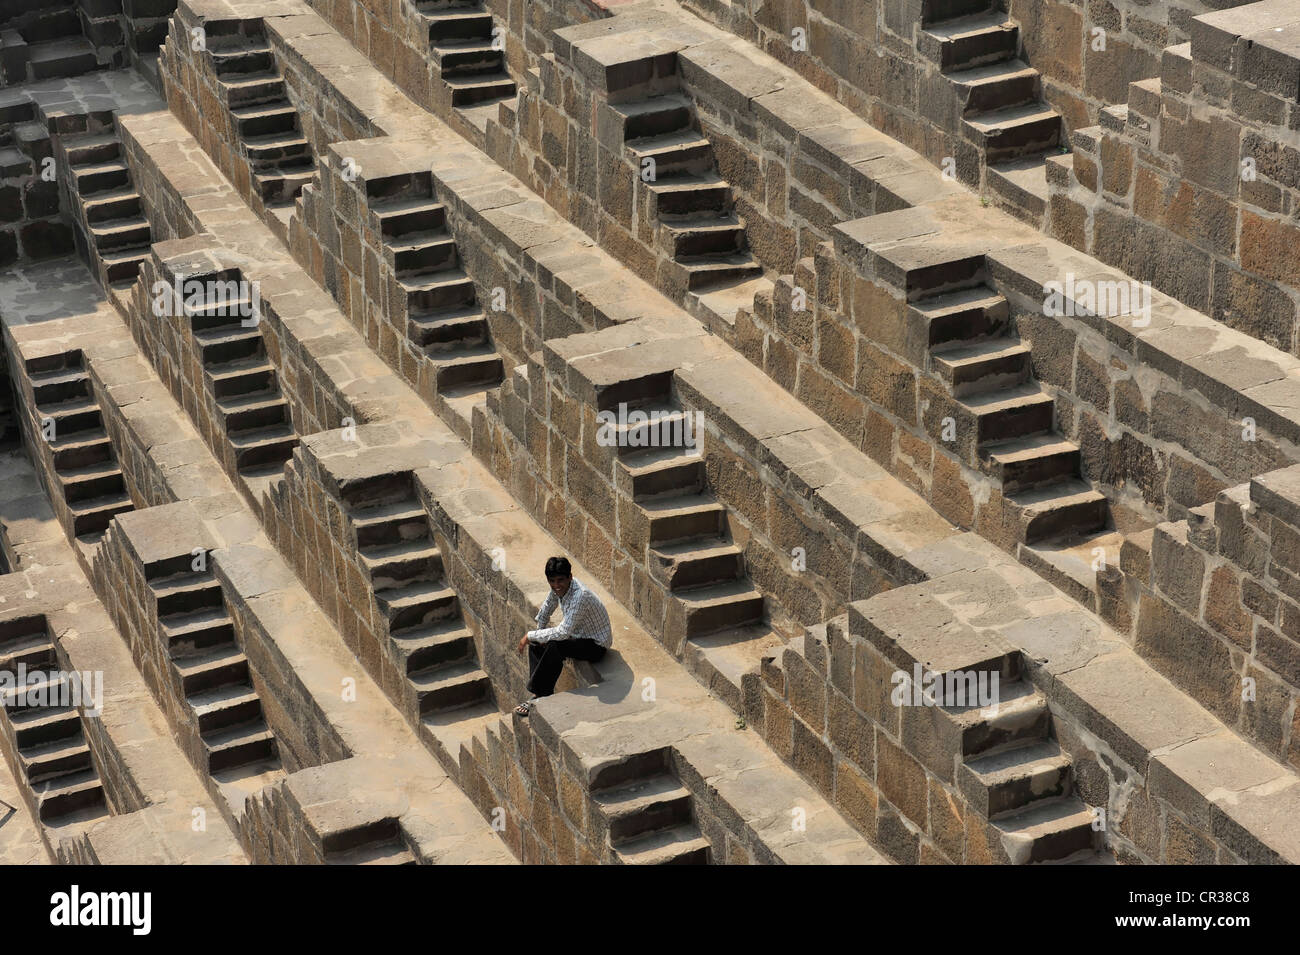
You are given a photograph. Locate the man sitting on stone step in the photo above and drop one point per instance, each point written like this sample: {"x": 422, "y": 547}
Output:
{"x": 584, "y": 634}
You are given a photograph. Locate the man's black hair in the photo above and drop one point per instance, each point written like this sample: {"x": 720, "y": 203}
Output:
{"x": 558, "y": 567}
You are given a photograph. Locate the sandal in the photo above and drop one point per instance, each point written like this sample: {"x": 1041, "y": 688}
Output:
{"x": 524, "y": 708}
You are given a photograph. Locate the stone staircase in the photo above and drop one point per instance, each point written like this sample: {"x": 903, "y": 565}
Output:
{"x": 443, "y": 317}
{"x": 264, "y": 120}
{"x": 692, "y": 205}
{"x": 466, "y": 52}
{"x": 1005, "y": 422}
{"x": 48, "y": 739}
{"x": 42, "y": 41}
{"x": 146, "y": 24}
{"x": 212, "y": 672}
{"x": 1015, "y": 774}
{"x": 253, "y": 413}
{"x": 999, "y": 96}
{"x": 647, "y": 814}
{"x": 689, "y": 550}
{"x": 84, "y": 464}
{"x": 376, "y": 843}
{"x": 427, "y": 635}
{"x": 113, "y": 232}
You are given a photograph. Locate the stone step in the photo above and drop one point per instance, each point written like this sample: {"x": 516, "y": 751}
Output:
{"x": 425, "y": 293}
{"x": 123, "y": 265}
{"x": 991, "y": 86}
{"x": 478, "y": 88}
{"x": 469, "y": 56}
{"x": 222, "y": 314}
{"x": 60, "y": 386}
{"x": 423, "y": 648}
{"x": 276, "y": 149}
{"x": 1007, "y": 781}
{"x": 651, "y": 424}
{"x": 720, "y": 606}
{"x": 449, "y": 686}
{"x": 236, "y": 746}
{"x": 224, "y": 707}
{"x": 377, "y": 853}
{"x": 678, "y": 152}
{"x": 123, "y": 203}
{"x": 251, "y": 376}
{"x": 389, "y": 524}
{"x": 95, "y": 178}
{"x": 1070, "y": 507}
{"x": 656, "y": 116}
{"x": 1022, "y": 185}
{"x": 58, "y": 758}
{"x": 33, "y": 650}
{"x": 198, "y": 632}
{"x": 39, "y": 726}
{"x": 1047, "y": 829}
{"x": 75, "y": 416}
{"x": 477, "y": 365}
{"x": 1020, "y": 716}
{"x": 93, "y": 481}
{"x": 263, "y": 447}
{"x": 724, "y": 235}
{"x": 61, "y": 58}
{"x": 643, "y": 806}
{"x": 225, "y": 344}
{"x": 130, "y": 232}
{"x": 1016, "y": 412}
{"x": 265, "y": 119}
{"x": 937, "y": 11}
{"x": 409, "y": 214}
{"x": 1021, "y": 464}
{"x": 1014, "y": 131}
{"x": 684, "y": 518}
{"x": 418, "y": 253}
{"x": 690, "y": 195}
{"x": 449, "y": 329}
{"x": 463, "y": 24}
{"x": 680, "y": 845}
{"x": 695, "y": 563}
{"x": 51, "y": 687}
{"x": 91, "y": 150}
{"x": 706, "y": 272}
{"x": 1070, "y": 562}
{"x": 969, "y": 41}
{"x": 251, "y": 58}
{"x": 418, "y": 605}
{"x": 282, "y": 185}
{"x": 402, "y": 563}
{"x": 220, "y": 667}
{"x": 80, "y": 450}
{"x": 94, "y": 515}
{"x": 981, "y": 367}
{"x": 338, "y": 841}
{"x": 186, "y": 594}
{"x": 244, "y": 413}
{"x": 649, "y": 473}
{"x": 252, "y": 88}
{"x": 68, "y": 793}
{"x": 962, "y": 316}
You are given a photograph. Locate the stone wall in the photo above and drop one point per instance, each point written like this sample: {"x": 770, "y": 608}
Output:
{"x": 1192, "y": 184}
{"x": 32, "y": 225}
{"x": 1217, "y": 607}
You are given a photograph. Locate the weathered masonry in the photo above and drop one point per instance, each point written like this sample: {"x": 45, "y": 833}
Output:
{"x": 844, "y": 347}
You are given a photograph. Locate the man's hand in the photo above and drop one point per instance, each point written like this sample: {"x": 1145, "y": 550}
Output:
{"x": 523, "y": 644}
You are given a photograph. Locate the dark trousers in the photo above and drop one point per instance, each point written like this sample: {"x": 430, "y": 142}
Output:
{"x": 546, "y": 660}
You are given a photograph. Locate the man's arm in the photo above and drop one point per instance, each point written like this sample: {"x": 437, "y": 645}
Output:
{"x": 548, "y": 608}
{"x": 562, "y": 632}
